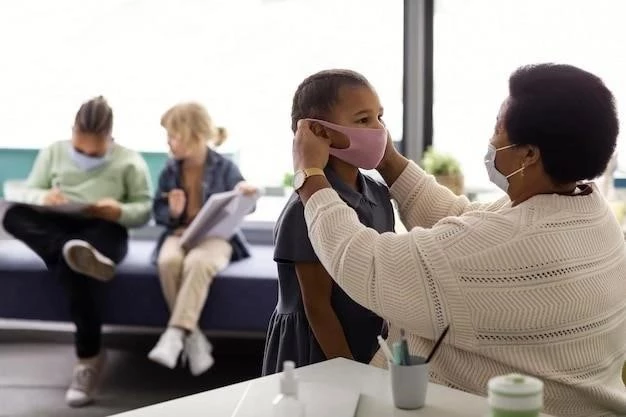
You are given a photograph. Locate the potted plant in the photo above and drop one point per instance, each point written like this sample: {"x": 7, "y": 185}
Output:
{"x": 288, "y": 181}
{"x": 445, "y": 168}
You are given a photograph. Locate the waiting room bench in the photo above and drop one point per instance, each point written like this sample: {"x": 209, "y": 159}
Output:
{"x": 241, "y": 298}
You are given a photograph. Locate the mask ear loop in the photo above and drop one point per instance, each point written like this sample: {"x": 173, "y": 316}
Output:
{"x": 517, "y": 171}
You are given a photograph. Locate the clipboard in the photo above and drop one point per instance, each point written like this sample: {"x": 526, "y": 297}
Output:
{"x": 72, "y": 207}
{"x": 220, "y": 216}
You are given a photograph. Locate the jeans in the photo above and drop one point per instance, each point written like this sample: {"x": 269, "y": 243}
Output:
{"x": 45, "y": 232}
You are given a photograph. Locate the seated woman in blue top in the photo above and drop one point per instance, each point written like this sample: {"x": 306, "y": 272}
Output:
{"x": 194, "y": 173}
{"x": 314, "y": 319}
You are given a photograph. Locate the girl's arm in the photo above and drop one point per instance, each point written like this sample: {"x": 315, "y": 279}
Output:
{"x": 316, "y": 288}
{"x": 160, "y": 203}
{"x": 235, "y": 181}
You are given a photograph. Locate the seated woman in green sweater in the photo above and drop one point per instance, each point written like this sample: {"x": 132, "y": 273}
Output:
{"x": 82, "y": 250}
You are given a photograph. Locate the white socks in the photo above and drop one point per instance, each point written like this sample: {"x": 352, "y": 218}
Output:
{"x": 175, "y": 333}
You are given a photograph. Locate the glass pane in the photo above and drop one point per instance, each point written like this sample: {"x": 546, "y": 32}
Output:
{"x": 478, "y": 43}
{"x": 243, "y": 59}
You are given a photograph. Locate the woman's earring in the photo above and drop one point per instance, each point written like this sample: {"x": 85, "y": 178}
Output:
{"x": 523, "y": 168}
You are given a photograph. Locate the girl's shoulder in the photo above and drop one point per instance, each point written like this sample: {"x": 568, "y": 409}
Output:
{"x": 291, "y": 237}
{"x": 377, "y": 192}
{"x": 376, "y": 184}
{"x": 171, "y": 163}
{"x": 292, "y": 214}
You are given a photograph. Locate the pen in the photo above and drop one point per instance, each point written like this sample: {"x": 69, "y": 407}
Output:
{"x": 404, "y": 348}
{"x": 438, "y": 343}
{"x": 385, "y": 349}
{"x": 397, "y": 354}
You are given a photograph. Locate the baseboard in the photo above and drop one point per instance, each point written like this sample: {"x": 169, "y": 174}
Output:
{"x": 120, "y": 337}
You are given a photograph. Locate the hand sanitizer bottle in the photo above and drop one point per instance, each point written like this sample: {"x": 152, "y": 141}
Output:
{"x": 287, "y": 404}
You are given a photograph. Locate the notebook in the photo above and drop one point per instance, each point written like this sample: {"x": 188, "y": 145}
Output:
{"x": 71, "y": 207}
{"x": 220, "y": 217}
{"x": 320, "y": 400}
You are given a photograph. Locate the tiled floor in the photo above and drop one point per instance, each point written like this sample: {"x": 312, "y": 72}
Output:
{"x": 34, "y": 375}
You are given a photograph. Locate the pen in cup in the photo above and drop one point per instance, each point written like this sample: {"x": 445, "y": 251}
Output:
{"x": 385, "y": 348}
{"x": 409, "y": 374}
{"x": 401, "y": 350}
{"x": 404, "y": 347}
{"x": 437, "y": 343}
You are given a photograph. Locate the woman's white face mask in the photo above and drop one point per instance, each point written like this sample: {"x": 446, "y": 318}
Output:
{"x": 495, "y": 176}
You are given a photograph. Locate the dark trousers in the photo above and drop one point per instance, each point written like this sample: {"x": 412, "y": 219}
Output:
{"x": 46, "y": 232}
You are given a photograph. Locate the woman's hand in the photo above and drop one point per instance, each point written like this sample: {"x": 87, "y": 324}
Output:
{"x": 309, "y": 150}
{"x": 54, "y": 197}
{"x": 246, "y": 188}
{"x": 176, "y": 200}
{"x": 107, "y": 209}
{"x": 393, "y": 163}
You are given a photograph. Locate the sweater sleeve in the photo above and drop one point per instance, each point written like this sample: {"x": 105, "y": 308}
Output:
{"x": 137, "y": 204}
{"x": 39, "y": 180}
{"x": 422, "y": 202}
{"x": 401, "y": 277}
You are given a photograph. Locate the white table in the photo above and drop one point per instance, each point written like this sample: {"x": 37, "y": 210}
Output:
{"x": 373, "y": 383}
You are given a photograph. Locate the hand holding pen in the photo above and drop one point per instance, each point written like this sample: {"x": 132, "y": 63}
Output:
{"x": 54, "y": 196}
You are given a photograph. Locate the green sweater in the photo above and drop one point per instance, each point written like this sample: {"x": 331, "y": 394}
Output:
{"x": 125, "y": 178}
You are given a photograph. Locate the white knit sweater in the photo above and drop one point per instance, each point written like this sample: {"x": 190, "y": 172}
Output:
{"x": 539, "y": 288}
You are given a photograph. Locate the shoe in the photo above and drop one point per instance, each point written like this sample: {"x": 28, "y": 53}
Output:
{"x": 84, "y": 382}
{"x": 198, "y": 352}
{"x": 83, "y": 258}
{"x": 168, "y": 348}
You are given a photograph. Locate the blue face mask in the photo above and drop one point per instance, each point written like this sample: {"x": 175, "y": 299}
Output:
{"x": 496, "y": 177}
{"x": 85, "y": 162}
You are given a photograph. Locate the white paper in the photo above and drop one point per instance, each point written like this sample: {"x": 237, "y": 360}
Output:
{"x": 320, "y": 400}
{"x": 71, "y": 207}
{"x": 220, "y": 217}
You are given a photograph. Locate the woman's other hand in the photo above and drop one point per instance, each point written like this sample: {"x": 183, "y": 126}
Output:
{"x": 392, "y": 164}
{"x": 107, "y": 209}
{"x": 54, "y": 197}
{"x": 309, "y": 150}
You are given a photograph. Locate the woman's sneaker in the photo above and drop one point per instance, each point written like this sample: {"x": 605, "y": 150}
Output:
{"x": 168, "y": 348}
{"x": 83, "y": 258}
{"x": 84, "y": 381}
{"x": 198, "y": 352}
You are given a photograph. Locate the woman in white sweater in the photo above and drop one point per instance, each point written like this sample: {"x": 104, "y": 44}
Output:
{"x": 532, "y": 283}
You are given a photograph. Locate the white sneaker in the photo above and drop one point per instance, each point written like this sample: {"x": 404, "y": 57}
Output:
{"x": 168, "y": 348}
{"x": 83, "y": 258}
{"x": 198, "y": 351}
{"x": 84, "y": 382}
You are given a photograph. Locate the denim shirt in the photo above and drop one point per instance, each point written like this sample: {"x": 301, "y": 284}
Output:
{"x": 220, "y": 175}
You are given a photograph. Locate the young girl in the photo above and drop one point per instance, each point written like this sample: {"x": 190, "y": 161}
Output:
{"x": 314, "y": 319}
{"x": 194, "y": 173}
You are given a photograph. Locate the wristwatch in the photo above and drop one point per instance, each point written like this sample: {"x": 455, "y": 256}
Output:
{"x": 300, "y": 177}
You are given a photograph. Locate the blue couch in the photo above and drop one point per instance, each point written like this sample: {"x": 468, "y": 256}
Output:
{"x": 241, "y": 299}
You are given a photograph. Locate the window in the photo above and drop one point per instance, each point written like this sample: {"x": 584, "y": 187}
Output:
{"x": 478, "y": 43}
{"x": 243, "y": 59}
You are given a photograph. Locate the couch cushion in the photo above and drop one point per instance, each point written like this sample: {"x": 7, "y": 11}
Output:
{"x": 241, "y": 297}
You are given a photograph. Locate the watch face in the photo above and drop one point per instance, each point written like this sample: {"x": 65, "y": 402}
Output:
{"x": 298, "y": 180}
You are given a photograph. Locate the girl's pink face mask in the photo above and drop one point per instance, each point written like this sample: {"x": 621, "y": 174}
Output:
{"x": 367, "y": 146}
